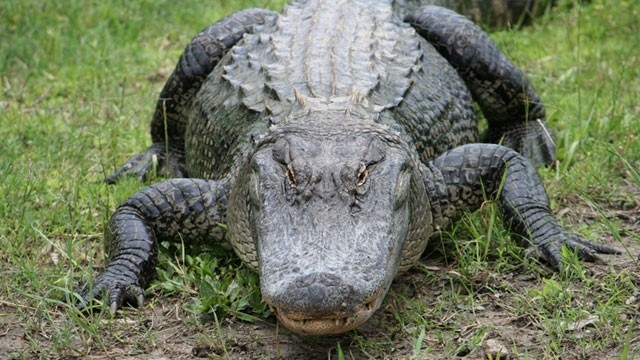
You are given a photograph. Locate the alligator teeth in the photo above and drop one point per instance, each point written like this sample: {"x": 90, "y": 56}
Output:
{"x": 273, "y": 310}
{"x": 370, "y": 305}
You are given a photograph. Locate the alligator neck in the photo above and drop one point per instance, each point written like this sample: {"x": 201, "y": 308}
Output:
{"x": 331, "y": 45}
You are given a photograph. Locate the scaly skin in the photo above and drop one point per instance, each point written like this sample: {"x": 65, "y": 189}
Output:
{"x": 334, "y": 140}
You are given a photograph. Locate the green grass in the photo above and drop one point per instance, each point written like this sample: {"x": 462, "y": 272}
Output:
{"x": 79, "y": 81}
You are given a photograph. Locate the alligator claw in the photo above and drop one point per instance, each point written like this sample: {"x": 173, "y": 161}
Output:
{"x": 152, "y": 161}
{"x": 116, "y": 292}
{"x": 138, "y": 166}
{"x": 113, "y": 308}
{"x": 550, "y": 251}
{"x": 117, "y": 303}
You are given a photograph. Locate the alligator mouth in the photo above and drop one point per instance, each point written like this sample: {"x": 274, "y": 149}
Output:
{"x": 327, "y": 325}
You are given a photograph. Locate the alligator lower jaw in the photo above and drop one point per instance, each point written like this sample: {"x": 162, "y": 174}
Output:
{"x": 323, "y": 326}
{"x": 327, "y": 326}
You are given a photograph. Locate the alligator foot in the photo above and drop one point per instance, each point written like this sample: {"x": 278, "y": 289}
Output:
{"x": 184, "y": 210}
{"x": 153, "y": 161}
{"x": 462, "y": 178}
{"x": 117, "y": 289}
{"x": 549, "y": 250}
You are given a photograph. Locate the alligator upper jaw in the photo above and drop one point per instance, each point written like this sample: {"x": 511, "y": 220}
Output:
{"x": 330, "y": 325}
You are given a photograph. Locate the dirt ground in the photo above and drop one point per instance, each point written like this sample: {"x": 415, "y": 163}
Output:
{"x": 163, "y": 330}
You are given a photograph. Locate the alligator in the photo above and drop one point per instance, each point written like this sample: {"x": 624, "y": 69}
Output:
{"x": 333, "y": 140}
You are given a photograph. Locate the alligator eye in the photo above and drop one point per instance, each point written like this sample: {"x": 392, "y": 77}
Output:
{"x": 291, "y": 176}
{"x": 363, "y": 174}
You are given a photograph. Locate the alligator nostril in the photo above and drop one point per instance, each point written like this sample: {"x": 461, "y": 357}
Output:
{"x": 322, "y": 278}
{"x": 355, "y": 208}
{"x": 306, "y": 280}
{"x": 329, "y": 279}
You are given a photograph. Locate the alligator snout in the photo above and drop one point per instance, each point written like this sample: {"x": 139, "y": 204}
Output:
{"x": 318, "y": 295}
{"x": 322, "y": 303}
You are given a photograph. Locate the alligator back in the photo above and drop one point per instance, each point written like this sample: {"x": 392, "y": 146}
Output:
{"x": 343, "y": 61}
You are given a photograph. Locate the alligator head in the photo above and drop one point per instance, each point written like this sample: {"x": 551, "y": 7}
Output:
{"x": 328, "y": 213}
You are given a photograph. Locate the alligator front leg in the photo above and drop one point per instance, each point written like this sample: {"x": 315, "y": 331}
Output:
{"x": 169, "y": 123}
{"x": 187, "y": 210}
{"x": 462, "y": 178}
{"x": 508, "y": 100}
